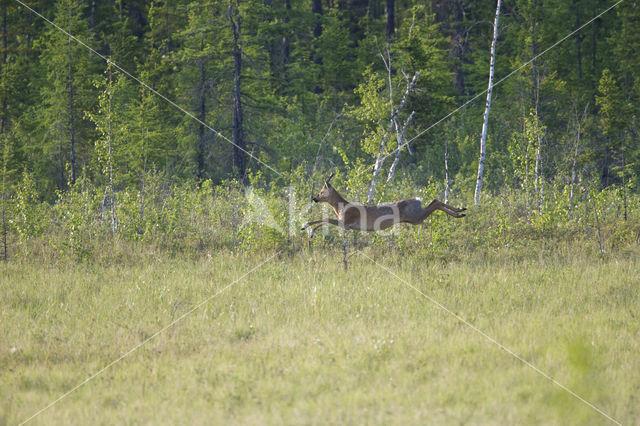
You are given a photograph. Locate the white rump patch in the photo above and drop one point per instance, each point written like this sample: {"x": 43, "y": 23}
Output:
{"x": 419, "y": 199}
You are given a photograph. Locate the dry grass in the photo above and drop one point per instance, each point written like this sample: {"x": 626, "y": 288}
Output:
{"x": 302, "y": 341}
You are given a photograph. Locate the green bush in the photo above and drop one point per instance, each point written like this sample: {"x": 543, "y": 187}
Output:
{"x": 198, "y": 218}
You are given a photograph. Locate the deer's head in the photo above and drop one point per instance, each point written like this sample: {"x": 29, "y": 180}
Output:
{"x": 325, "y": 192}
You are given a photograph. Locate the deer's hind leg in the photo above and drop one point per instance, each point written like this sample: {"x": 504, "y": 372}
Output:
{"x": 453, "y": 209}
{"x": 439, "y": 205}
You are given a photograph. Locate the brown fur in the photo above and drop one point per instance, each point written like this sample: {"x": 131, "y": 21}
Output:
{"x": 375, "y": 218}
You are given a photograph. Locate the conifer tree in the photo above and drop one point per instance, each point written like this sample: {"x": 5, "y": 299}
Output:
{"x": 66, "y": 93}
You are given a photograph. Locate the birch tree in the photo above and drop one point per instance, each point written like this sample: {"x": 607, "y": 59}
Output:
{"x": 578, "y": 123}
{"x": 393, "y": 124}
{"x": 487, "y": 108}
{"x": 109, "y": 124}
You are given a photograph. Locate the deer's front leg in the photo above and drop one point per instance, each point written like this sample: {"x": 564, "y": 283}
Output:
{"x": 319, "y": 223}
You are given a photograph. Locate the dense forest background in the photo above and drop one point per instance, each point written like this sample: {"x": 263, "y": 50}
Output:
{"x": 271, "y": 92}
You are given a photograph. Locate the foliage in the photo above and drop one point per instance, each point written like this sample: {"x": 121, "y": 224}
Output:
{"x": 316, "y": 99}
{"x": 122, "y": 211}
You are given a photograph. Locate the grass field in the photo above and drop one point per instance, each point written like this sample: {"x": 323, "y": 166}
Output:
{"x": 300, "y": 340}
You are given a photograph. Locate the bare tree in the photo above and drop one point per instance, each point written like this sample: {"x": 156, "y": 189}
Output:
{"x": 393, "y": 123}
{"x": 402, "y": 142}
{"x": 485, "y": 121}
{"x": 579, "y": 121}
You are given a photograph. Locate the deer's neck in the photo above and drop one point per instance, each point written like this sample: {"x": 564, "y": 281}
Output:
{"x": 337, "y": 202}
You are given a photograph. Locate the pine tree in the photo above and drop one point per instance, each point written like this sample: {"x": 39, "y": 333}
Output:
{"x": 67, "y": 94}
{"x": 157, "y": 122}
{"x": 202, "y": 86}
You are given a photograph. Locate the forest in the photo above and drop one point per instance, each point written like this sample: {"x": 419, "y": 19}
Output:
{"x": 124, "y": 95}
{"x": 158, "y": 160}
{"x": 133, "y": 102}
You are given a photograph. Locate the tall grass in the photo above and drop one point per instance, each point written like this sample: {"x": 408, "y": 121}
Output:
{"x": 192, "y": 220}
{"x": 300, "y": 340}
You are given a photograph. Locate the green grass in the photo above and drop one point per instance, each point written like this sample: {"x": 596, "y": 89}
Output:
{"x": 302, "y": 341}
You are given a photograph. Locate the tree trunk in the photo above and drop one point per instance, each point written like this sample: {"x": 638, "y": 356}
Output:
{"x": 92, "y": 15}
{"x": 534, "y": 70}
{"x": 573, "y": 163}
{"x": 5, "y": 159}
{"x": 390, "y": 27}
{"x": 540, "y": 176}
{"x": 401, "y": 143}
{"x": 537, "y": 179}
{"x": 485, "y": 120}
{"x": 606, "y": 162}
{"x": 459, "y": 45}
{"x": 3, "y": 123}
{"x": 393, "y": 116}
{"x": 71, "y": 114}
{"x": 239, "y": 151}
{"x": 594, "y": 47}
{"x": 3, "y": 119}
{"x": 447, "y": 182}
{"x": 377, "y": 166}
{"x": 316, "y": 10}
{"x": 285, "y": 47}
{"x": 201, "y": 114}
{"x": 114, "y": 221}
{"x": 61, "y": 134}
{"x": 624, "y": 186}
{"x": 594, "y": 55}
{"x": 400, "y": 139}
{"x": 578, "y": 40}
{"x": 144, "y": 180}
{"x": 535, "y": 95}
{"x": 379, "y": 160}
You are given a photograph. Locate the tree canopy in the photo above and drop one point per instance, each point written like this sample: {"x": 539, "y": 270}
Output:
{"x": 311, "y": 84}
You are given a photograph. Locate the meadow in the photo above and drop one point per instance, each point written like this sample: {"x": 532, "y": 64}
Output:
{"x": 157, "y": 163}
{"x": 301, "y": 340}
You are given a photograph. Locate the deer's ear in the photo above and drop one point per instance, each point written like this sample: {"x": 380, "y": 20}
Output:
{"x": 326, "y": 181}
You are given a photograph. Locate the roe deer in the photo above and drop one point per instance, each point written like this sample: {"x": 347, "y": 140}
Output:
{"x": 375, "y": 218}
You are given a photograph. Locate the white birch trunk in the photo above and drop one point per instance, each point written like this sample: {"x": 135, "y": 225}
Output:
{"x": 537, "y": 179}
{"x": 376, "y": 168}
{"x": 575, "y": 156}
{"x": 380, "y": 159}
{"x": 447, "y": 182}
{"x": 401, "y": 143}
{"x": 392, "y": 121}
{"x": 483, "y": 137}
{"x": 573, "y": 174}
{"x": 538, "y": 184}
